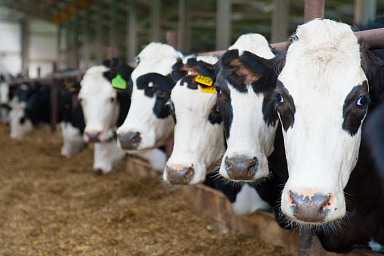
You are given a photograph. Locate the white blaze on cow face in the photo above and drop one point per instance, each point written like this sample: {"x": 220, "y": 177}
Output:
{"x": 198, "y": 141}
{"x": 151, "y": 130}
{"x": 100, "y": 105}
{"x": 19, "y": 122}
{"x": 72, "y": 139}
{"x": 321, "y": 96}
{"x": 250, "y": 138}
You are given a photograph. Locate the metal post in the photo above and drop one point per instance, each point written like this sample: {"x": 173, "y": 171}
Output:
{"x": 280, "y": 20}
{"x": 54, "y": 101}
{"x": 184, "y": 26}
{"x": 24, "y": 46}
{"x": 86, "y": 38}
{"x": 68, "y": 60}
{"x": 155, "y": 21}
{"x": 173, "y": 38}
{"x": 364, "y": 10}
{"x": 131, "y": 33}
{"x": 58, "y": 46}
{"x": 223, "y": 24}
{"x": 313, "y": 9}
{"x": 75, "y": 38}
{"x": 99, "y": 35}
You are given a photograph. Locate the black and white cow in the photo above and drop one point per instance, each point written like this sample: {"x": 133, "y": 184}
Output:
{"x": 105, "y": 108}
{"x": 327, "y": 80}
{"x": 72, "y": 125}
{"x": 4, "y": 99}
{"x": 149, "y": 124}
{"x": 31, "y": 109}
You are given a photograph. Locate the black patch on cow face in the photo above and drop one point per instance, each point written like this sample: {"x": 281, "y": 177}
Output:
{"x": 224, "y": 103}
{"x": 117, "y": 67}
{"x": 355, "y": 108}
{"x": 161, "y": 89}
{"x": 284, "y": 105}
{"x": 178, "y": 70}
{"x": 269, "y": 110}
{"x": 22, "y": 120}
{"x": 214, "y": 116}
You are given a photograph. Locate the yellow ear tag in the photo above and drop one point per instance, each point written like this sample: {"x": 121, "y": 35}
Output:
{"x": 207, "y": 81}
{"x": 119, "y": 83}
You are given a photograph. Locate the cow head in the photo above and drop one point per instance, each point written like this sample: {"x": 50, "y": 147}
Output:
{"x": 198, "y": 136}
{"x": 149, "y": 124}
{"x": 101, "y": 103}
{"x": 321, "y": 97}
{"x": 72, "y": 139}
{"x": 245, "y": 83}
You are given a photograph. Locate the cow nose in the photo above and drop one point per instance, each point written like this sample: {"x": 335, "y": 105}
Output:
{"x": 310, "y": 209}
{"x": 179, "y": 176}
{"x": 129, "y": 140}
{"x": 93, "y": 136}
{"x": 241, "y": 167}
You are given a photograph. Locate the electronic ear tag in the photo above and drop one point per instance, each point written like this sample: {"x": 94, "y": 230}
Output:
{"x": 207, "y": 81}
{"x": 119, "y": 83}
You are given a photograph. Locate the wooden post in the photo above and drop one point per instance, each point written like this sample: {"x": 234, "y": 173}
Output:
{"x": 24, "y": 46}
{"x": 364, "y": 10}
{"x": 172, "y": 38}
{"x": 280, "y": 21}
{"x": 184, "y": 29}
{"x": 113, "y": 24}
{"x": 223, "y": 24}
{"x": 58, "y": 46}
{"x": 155, "y": 21}
{"x": 86, "y": 38}
{"x": 131, "y": 33}
{"x": 313, "y": 9}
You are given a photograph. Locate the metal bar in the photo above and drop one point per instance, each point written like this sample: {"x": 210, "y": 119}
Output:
{"x": 223, "y": 24}
{"x": 155, "y": 21}
{"x": 99, "y": 34}
{"x": 313, "y": 9}
{"x": 113, "y": 24}
{"x": 86, "y": 38}
{"x": 184, "y": 29}
{"x": 75, "y": 38}
{"x": 364, "y": 10}
{"x": 54, "y": 101}
{"x": 131, "y": 33}
{"x": 172, "y": 38}
{"x": 58, "y": 46}
{"x": 280, "y": 20}
{"x": 24, "y": 46}
{"x": 67, "y": 44}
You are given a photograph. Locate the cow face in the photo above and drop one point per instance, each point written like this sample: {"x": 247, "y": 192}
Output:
{"x": 198, "y": 136}
{"x": 19, "y": 122}
{"x": 149, "y": 124}
{"x": 321, "y": 98}
{"x": 245, "y": 85}
{"x": 72, "y": 139}
{"x": 100, "y": 105}
{"x": 106, "y": 155}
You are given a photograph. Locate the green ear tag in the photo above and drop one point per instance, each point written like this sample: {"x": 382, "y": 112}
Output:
{"x": 119, "y": 83}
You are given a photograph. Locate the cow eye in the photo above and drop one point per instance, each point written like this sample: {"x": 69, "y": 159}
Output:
{"x": 362, "y": 101}
{"x": 113, "y": 99}
{"x": 169, "y": 105}
{"x": 278, "y": 98}
{"x": 218, "y": 109}
{"x": 161, "y": 94}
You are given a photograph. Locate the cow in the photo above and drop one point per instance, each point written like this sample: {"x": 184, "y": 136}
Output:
{"x": 72, "y": 125}
{"x": 241, "y": 98}
{"x": 328, "y": 83}
{"x": 31, "y": 109}
{"x": 149, "y": 124}
{"x": 4, "y": 99}
{"x": 105, "y": 108}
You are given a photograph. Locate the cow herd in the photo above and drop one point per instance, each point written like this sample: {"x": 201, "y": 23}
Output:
{"x": 298, "y": 132}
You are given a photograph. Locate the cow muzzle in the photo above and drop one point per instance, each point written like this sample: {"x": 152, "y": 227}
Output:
{"x": 182, "y": 176}
{"x": 92, "y": 136}
{"x": 129, "y": 140}
{"x": 310, "y": 209}
{"x": 241, "y": 168}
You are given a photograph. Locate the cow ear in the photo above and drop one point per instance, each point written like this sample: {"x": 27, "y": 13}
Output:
{"x": 106, "y": 63}
{"x": 179, "y": 70}
{"x": 206, "y": 69}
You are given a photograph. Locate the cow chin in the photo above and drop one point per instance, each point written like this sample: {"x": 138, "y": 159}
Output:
{"x": 313, "y": 206}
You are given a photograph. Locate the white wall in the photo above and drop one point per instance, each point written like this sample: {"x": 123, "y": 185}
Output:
{"x": 10, "y": 47}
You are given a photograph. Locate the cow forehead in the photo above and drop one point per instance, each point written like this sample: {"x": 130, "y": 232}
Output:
{"x": 94, "y": 83}
{"x": 323, "y": 61}
{"x": 183, "y": 97}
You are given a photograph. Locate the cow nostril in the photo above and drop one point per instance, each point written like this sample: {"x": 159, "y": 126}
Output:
{"x": 241, "y": 168}
{"x": 93, "y": 136}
